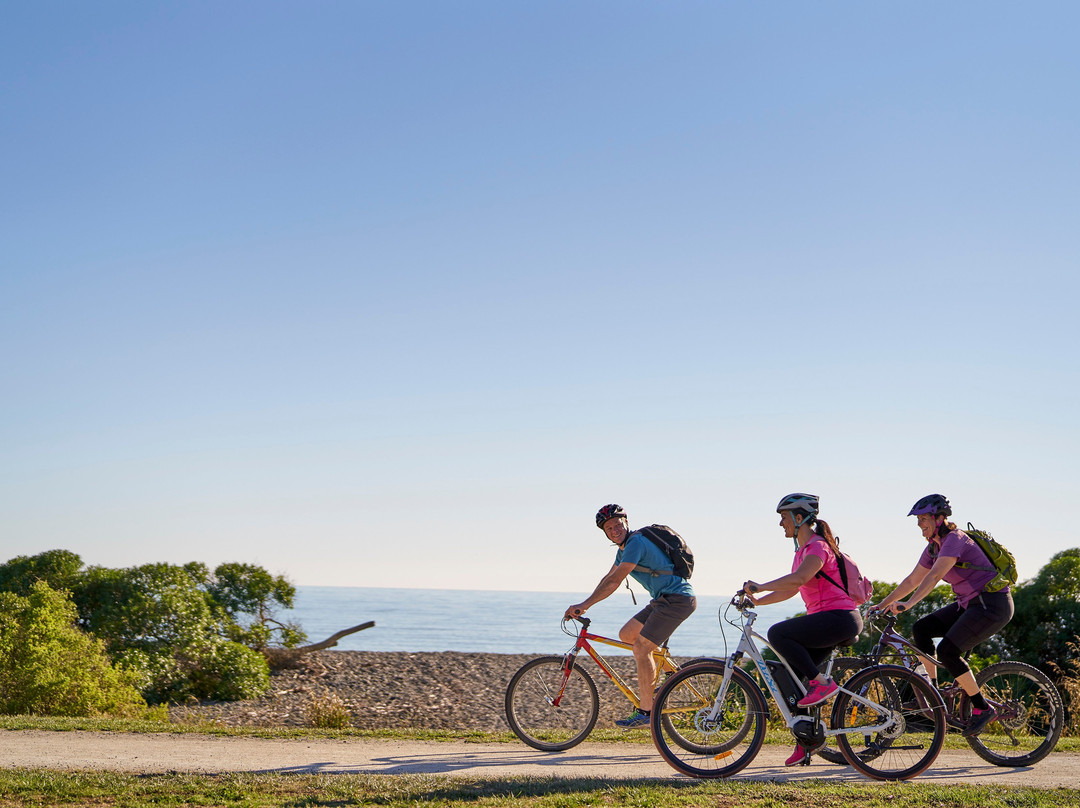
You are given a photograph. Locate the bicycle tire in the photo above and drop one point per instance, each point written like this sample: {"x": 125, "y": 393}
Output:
{"x": 1030, "y": 717}
{"x": 532, "y": 716}
{"x": 700, "y": 747}
{"x": 911, "y": 744}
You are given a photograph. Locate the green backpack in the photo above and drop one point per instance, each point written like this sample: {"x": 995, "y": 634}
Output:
{"x": 1002, "y": 559}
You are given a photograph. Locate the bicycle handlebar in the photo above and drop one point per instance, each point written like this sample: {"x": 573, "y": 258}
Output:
{"x": 585, "y": 621}
{"x": 879, "y": 614}
{"x": 741, "y": 602}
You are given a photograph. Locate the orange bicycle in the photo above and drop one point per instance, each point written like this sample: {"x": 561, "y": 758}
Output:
{"x": 552, "y": 702}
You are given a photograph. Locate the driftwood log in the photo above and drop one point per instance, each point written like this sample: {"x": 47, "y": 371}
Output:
{"x": 290, "y": 657}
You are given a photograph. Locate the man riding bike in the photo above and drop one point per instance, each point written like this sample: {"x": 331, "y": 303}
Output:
{"x": 672, "y": 601}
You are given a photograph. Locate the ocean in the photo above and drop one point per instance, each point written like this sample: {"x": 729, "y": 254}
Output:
{"x": 496, "y": 622}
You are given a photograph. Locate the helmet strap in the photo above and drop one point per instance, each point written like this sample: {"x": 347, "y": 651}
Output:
{"x": 798, "y": 527}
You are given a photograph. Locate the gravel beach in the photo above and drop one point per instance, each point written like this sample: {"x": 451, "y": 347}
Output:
{"x": 446, "y": 690}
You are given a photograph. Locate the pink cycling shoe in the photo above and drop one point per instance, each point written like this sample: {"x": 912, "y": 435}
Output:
{"x": 818, "y": 692}
{"x": 800, "y": 755}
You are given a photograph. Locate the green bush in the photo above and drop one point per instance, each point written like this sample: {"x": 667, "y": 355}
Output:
{"x": 160, "y": 622}
{"x": 149, "y": 608}
{"x": 218, "y": 669}
{"x": 227, "y": 671}
{"x": 176, "y": 632}
{"x": 49, "y": 667}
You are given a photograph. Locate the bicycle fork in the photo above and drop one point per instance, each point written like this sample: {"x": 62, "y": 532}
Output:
{"x": 713, "y": 716}
{"x": 569, "y": 658}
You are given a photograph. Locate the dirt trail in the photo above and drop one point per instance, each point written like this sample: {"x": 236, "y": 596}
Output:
{"x": 203, "y": 754}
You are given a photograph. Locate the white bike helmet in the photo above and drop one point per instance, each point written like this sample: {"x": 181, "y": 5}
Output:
{"x": 807, "y": 503}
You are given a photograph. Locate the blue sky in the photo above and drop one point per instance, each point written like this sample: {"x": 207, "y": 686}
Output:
{"x": 397, "y": 294}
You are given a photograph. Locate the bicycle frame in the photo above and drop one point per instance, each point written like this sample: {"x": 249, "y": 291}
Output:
{"x": 584, "y": 638}
{"x": 748, "y": 648}
{"x": 908, "y": 654}
{"x": 910, "y": 657}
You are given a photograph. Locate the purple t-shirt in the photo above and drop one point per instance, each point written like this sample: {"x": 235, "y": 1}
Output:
{"x": 818, "y": 594}
{"x": 965, "y": 583}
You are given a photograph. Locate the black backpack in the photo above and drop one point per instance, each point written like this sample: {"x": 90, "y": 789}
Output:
{"x": 674, "y": 547}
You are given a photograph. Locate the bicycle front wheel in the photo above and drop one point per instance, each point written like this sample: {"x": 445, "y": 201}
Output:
{"x": 550, "y": 709}
{"x": 895, "y": 722}
{"x": 1030, "y": 715}
{"x": 671, "y": 730}
{"x": 702, "y": 733}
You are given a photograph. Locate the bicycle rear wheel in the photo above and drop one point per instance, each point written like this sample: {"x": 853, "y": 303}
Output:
{"x": 548, "y": 709}
{"x": 899, "y": 733}
{"x": 691, "y": 738}
{"x": 1030, "y": 715}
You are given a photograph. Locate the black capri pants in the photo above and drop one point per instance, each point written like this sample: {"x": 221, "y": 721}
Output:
{"x": 806, "y": 641}
{"x": 962, "y": 629}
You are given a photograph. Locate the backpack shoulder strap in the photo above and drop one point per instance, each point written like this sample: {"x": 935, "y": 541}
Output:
{"x": 821, "y": 574}
{"x": 841, "y": 564}
{"x": 967, "y": 565}
{"x": 647, "y": 533}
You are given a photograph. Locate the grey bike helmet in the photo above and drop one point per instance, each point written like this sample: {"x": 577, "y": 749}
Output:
{"x": 807, "y": 503}
{"x": 934, "y": 504}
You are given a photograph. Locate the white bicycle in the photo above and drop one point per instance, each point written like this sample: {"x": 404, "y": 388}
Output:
{"x": 709, "y": 718}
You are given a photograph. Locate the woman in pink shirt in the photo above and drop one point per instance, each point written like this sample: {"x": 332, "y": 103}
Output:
{"x": 975, "y": 616}
{"x": 832, "y": 617}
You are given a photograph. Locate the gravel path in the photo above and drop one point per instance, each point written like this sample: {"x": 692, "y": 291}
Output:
{"x": 448, "y": 690}
{"x": 202, "y": 754}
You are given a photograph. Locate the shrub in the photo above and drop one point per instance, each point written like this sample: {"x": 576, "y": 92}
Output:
{"x": 178, "y": 631}
{"x": 229, "y": 671}
{"x": 327, "y": 711}
{"x": 216, "y": 669}
{"x": 162, "y": 625}
{"x": 1067, "y": 678}
{"x": 49, "y": 667}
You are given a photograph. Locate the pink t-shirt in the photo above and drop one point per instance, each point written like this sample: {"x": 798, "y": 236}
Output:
{"x": 818, "y": 594}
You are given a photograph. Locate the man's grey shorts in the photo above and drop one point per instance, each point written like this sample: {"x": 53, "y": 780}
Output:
{"x": 663, "y": 615}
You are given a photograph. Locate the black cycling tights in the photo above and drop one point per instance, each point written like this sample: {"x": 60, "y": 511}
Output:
{"x": 962, "y": 629}
{"x": 806, "y": 642}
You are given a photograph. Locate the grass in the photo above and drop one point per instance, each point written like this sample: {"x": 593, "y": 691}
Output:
{"x": 46, "y": 788}
{"x": 23, "y": 787}
{"x": 63, "y": 724}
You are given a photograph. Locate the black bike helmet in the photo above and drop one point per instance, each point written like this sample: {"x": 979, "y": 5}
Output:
{"x": 609, "y": 512}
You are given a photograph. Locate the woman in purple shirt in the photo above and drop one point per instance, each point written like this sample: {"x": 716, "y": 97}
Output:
{"x": 975, "y": 616}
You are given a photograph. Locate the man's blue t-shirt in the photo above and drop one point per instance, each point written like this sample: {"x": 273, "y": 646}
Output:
{"x": 640, "y": 550}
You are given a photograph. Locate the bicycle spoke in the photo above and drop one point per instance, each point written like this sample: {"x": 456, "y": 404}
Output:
{"x": 1030, "y": 716}
{"x": 900, "y": 733}
{"x": 697, "y": 735}
{"x": 549, "y": 710}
